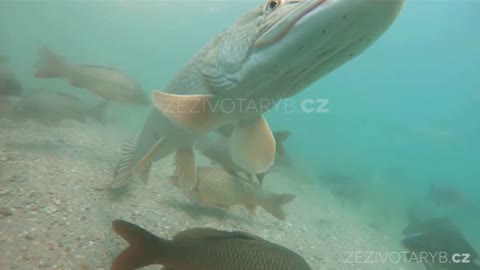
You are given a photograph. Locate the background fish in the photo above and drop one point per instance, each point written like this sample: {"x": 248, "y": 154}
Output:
{"x": 420, "y": 224}
{"x": 104, "y": 82}
{"x": 446, "y": 196}
{"x": 9, "y": 85}
{"x": 217, "y": 187}
{"x": 49, "y": 107}
{"x": 202, "y": 249}
{"x": 438, "y": 239}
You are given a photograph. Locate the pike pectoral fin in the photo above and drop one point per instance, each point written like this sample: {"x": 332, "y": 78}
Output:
{"x": 188, "y": 111}
{"x": 143, "y": 166}
{"x": 253, "y": 145}
{"x": 185, "y": 169}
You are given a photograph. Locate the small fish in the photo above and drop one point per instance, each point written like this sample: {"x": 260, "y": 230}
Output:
{"x": 437, "y": 239}
{"x": 219, "y": 152}
{"x": 50, "y": 107}
{"x": 107, "y": 83}
{"x": 9, "y": 85}
{"x": 202, "y": 249}
{"x": 446, "y": 196}
{"x": 217, "y": 187}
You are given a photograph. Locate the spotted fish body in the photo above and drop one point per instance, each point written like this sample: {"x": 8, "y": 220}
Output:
{"x": 217, "y": 187}
{"x": 203, "y": 249}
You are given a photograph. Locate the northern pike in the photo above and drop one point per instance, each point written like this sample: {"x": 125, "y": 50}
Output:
{"x": 202, "y": 249}
{"x": 217, "y": 187}
{"x": 104, "y": 82}
{"x": 271, "y": 53}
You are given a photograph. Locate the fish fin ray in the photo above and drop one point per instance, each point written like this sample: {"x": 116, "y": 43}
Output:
{"x": 144, "y": 166}
{"x": 122, "y": 173}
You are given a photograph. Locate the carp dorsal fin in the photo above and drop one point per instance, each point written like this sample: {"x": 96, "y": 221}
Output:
{"x": 197, "y": 234}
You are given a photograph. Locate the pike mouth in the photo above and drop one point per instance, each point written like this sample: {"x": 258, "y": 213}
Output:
{"x": 281, "y": 28}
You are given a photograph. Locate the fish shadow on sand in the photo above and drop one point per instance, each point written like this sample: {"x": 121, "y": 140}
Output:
{"x": 118, "y": 194}
{"x": 197, "y": 211}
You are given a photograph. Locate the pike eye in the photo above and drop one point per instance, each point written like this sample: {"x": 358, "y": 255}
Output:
{"x": 271, "y": 6}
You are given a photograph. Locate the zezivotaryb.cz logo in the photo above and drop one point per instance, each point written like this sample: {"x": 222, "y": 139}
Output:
{"x": 374, "y": 257}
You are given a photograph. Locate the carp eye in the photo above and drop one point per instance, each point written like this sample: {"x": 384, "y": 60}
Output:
{"x": 271, "y": 5}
